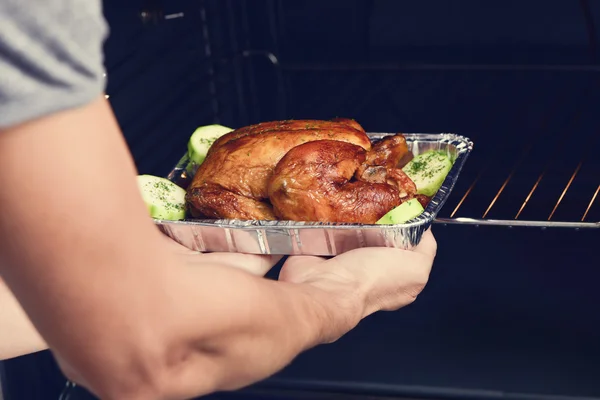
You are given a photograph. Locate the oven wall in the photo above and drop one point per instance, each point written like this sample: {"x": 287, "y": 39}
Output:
{"x": 510, "y": 310}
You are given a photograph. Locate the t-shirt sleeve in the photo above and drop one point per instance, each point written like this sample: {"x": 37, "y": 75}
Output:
{"x": 51, "y": 57}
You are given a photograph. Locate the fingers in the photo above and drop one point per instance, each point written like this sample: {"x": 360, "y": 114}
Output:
{"x": 296, "y": 267}
{"x": 257, "y": 265}
{"x": 297, "y": 261}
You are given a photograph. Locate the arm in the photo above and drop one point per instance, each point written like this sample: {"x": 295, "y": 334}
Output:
{"x": 126, "y": 316}
{"x": 127, "y": 313}
{"x": 17, "y": 335}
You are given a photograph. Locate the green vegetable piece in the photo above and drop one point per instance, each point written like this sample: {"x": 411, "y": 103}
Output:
{"x": 202, "y": 139}
{"x": 428, "y": 171}
{"x": 404, "y": 212}
{"x": 164, "y": 199}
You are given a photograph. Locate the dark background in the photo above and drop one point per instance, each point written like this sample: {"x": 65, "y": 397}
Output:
{"x": 509, "y": 312}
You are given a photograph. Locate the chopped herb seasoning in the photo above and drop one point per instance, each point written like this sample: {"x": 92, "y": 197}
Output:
{"x": 208, "y": 141}
{"x": 428, "y": 170}
{"x": 165, "y": 198}
{"x": 417, "y": 166}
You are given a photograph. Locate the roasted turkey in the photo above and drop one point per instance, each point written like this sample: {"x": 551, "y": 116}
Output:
{"x": 302, "y": 170}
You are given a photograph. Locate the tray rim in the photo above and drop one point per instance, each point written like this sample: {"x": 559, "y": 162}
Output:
{"x": 464, "y": 147}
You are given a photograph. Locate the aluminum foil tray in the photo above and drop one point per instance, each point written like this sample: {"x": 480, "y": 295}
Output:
{"x": 311, "y": 238}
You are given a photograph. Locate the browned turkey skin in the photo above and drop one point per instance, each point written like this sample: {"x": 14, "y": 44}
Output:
{"x": 303, "y": 170}
{"x": 313, "y": 183}
{"x": 384, "y": 162}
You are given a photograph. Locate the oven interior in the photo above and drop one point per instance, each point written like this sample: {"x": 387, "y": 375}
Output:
{"x": 511, "y": 308}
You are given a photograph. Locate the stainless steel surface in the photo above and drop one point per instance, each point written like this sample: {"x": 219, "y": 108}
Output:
{"x": 310, "y": 238}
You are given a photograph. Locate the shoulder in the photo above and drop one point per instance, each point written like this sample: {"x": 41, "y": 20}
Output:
{"x": 50, "y": 56}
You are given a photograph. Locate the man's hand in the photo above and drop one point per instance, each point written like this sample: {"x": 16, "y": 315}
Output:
{"x": 363, "y": 281}
{"x": 350, "y": 286}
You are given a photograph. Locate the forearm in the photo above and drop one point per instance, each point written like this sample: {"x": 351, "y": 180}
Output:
{"x": 250, "y": 329}
{"x": 17, "y": 334}
{"x": 169, "y": 326}
{"x": 213, "y": 328}
{"x": 193, "y": 329}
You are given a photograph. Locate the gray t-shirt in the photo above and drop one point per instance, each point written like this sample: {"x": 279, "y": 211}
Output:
{"x": 50, "y": 57}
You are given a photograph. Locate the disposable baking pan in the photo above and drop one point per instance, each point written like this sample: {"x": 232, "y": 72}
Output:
{"x": 314, "y": 238}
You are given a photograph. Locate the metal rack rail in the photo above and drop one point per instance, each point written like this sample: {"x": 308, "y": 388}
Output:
{"x": 553, "y": 180}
